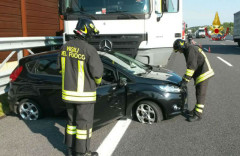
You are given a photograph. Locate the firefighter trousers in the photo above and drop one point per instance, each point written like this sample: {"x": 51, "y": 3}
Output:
{"x": 201, "y": 90}
{"x": 78, "y": 130}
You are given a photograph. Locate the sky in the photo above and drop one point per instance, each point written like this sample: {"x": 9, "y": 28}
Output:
{"x": 202, "y": 12}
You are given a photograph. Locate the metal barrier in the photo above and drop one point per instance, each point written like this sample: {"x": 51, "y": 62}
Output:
{"x": 16, "y": 45}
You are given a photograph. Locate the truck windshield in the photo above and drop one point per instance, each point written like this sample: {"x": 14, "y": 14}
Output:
{"x": 107, "y": 6}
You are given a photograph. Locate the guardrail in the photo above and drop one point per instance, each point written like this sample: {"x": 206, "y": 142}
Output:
{"x": 16, "y": 45}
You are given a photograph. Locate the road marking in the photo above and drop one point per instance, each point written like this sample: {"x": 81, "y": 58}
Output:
{"x": 222, "y": 44}
{"x": 205, "y": 49}
{"x": 110, "y": 143}
{"x": 224, "y": 61}
{"x": 229, "y": 41}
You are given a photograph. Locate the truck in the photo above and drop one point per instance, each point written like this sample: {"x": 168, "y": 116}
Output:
{"x": 200, "y": 33}
{"x": 142, "y": 29}
{"x": 236, "y": 31}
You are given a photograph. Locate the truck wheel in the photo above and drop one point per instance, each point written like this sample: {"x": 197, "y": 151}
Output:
{"x": 29, "y": 110}
{"x": 148, "y": 112}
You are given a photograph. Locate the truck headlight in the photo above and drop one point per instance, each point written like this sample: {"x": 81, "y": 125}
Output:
{"x": 168, "y": 88}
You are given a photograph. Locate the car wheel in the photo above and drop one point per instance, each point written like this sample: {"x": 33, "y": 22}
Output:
{"x": 29, "y": 110}
{"x": 148, "y": 112}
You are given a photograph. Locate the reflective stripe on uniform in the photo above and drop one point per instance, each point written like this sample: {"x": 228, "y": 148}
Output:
{"x": 90, "y": 133}
{"x": 199, "y": 110}
{"x": 63, "y": 70}
{"x": 75, "y": 98}
{"x": 200, "y": 105}
{"x": 82, "y": 134}
{"x": 81, "y": 137}
{"x": 189, "y": 72}
{"x": 78, "y": 95}
{"x": 207, "y": 74}
{"x": 72, "y": 93}
{"x": 71, "y": 127}
{"x": 71, "y": 130}
{"x": 186, "y": 79}
{"x": 204, "y": 76}
{"x": 97, "y": 81}
{"x": 81, "y": 74}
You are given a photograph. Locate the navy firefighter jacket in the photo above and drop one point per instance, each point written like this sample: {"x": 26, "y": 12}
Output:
{"x": 82, "y": 71}
{"x": 198, "y": 66}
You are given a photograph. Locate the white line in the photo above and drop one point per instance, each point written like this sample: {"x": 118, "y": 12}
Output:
{"x": 229, "y": 41}
{"x": 205, "y": 49}
{"x": 224, "y": 61}
{"x": 110, "y": 143}
{"x": 222, "y": 44}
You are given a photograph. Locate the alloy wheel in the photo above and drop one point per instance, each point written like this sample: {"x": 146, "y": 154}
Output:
{"x": 146, "y": 114}
{"x": 29, "y": 111}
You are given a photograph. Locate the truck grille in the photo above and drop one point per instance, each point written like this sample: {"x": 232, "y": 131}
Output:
{"x": 126, "y": 44}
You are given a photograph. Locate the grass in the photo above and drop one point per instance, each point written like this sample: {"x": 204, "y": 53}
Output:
{"x": 4, "y": 106}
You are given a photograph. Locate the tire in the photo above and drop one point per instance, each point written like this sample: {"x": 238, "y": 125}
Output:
{"x": 29, "y": 110}
{"x": 148, "y": 112}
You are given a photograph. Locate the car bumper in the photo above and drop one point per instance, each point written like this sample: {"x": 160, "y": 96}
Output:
{"x": 175, "y": 104}
{"x": 13, "y": 103}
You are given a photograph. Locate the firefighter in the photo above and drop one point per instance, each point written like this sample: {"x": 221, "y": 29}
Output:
{"x": 198, "y": 68}
{"x": 82, "y": 72}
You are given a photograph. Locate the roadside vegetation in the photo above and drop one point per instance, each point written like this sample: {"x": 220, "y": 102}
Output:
{"x": 4, "y": 106}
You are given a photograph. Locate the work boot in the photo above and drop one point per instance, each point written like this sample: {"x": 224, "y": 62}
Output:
{"x": 87, "y": 154}
{"x": 190, "y": 113}
{"x": 70, "y": 152}
{"x": 187, "y": 113}
{"x": 196, "y": 117}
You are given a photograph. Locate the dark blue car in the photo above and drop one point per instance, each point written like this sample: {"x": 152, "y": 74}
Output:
{"x": 129, "y": 89}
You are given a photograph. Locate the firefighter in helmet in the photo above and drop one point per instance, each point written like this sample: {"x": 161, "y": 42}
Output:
{"x": 82, "y": 72}
{"x": 198, "y": 68}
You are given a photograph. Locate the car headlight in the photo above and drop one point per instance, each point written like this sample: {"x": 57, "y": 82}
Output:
{"x": 168, "y": 88}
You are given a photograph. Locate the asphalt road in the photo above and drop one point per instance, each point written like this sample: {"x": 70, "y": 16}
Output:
{"x": 218, "y": 134}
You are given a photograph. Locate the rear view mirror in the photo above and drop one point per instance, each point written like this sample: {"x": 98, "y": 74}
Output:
{"x": 123, "y": 81}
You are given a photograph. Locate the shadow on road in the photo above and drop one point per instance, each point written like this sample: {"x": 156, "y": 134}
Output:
{"x": 50, "y": 128}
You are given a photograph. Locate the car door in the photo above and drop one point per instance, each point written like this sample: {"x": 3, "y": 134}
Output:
{"x": 111, "y": 98}
{"x": 48, "y": 83}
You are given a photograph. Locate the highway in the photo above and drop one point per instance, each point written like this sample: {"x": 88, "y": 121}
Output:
{"x": 217, "y": 134}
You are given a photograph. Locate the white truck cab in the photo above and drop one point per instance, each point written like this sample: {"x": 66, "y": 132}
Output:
{"x": 143, "y": 29}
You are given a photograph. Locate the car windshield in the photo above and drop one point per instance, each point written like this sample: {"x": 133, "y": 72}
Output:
{"x": 126, "y": 63}
{"x": 107, "y": 6}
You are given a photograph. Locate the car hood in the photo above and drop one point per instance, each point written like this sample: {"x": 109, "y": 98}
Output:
{"x": 165, "y": 75}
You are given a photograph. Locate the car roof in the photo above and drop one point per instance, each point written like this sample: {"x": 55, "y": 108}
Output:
{"x": 53, "y": 53}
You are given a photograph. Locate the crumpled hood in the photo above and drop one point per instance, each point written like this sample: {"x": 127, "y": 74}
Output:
{"x": 163, "y": 74}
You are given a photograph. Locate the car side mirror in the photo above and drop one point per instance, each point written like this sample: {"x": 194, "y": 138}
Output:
{"x": 123, "y": 81}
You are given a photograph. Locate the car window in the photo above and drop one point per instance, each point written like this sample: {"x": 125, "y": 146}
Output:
{"x": 108, "y": 76}
{"x": 47, "y": 66}
{"x": 30, "y": 65}
{"x": 123, "y": 76}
